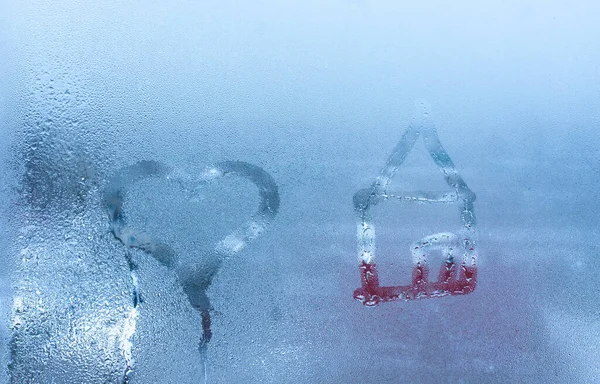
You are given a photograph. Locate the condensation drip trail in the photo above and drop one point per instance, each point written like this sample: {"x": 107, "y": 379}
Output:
{"x": 203, "y": 361}
{"x": 129, "y": 329}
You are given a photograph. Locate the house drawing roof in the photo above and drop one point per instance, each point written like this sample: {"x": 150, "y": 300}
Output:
{"x": 421, "y": 127}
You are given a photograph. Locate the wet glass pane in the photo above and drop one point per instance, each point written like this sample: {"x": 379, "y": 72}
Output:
{"x": 299, "y": 192}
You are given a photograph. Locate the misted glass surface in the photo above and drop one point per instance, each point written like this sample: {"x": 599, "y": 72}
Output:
{"x": 299, "y": 192}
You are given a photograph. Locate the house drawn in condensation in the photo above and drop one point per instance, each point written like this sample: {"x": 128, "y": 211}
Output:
{"x": 455, "y": 277}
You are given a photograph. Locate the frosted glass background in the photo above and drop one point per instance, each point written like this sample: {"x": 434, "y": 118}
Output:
{"x": 317, "y": 94}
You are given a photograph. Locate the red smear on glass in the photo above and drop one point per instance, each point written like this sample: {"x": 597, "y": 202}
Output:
{"x": 452, "y": 280}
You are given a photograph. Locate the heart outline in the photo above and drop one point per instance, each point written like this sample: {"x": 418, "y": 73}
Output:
{"x": 196, "y": 282}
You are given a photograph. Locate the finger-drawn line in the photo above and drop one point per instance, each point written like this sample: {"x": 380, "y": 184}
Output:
{"x": 195, "y": 279}
{"x": 451, "y": 281}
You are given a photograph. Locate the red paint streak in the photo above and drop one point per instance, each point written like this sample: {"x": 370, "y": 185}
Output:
{"x": 452, "y": 281}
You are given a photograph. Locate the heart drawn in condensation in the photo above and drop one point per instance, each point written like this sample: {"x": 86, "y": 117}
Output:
{"x": 195, "y": 279}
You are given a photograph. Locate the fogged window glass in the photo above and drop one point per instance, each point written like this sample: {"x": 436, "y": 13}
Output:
{"x": 299, "y": 192}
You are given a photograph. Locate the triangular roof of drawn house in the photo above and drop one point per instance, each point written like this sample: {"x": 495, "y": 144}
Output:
{"x": 421, "y": 126}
